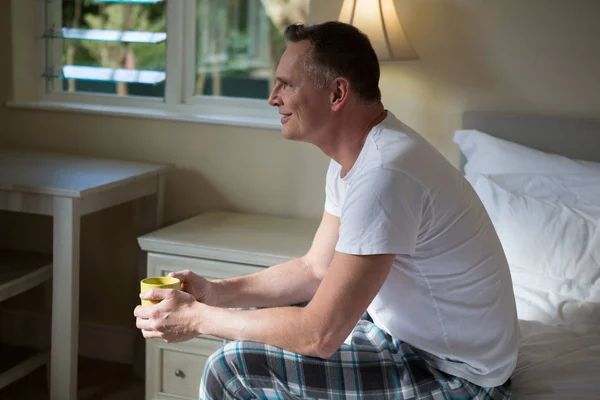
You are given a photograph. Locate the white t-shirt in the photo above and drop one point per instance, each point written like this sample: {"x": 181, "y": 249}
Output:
{"x": 449, "y": 292}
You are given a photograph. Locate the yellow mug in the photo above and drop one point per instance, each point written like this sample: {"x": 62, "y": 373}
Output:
{"x": 159, "y": 282}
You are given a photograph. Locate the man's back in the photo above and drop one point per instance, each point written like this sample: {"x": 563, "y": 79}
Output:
{"x": 449, "y": 292}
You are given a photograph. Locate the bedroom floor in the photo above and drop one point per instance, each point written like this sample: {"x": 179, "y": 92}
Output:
{"x": 98, "y": 380}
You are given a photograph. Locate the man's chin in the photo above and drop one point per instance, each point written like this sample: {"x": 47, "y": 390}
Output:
{"x": 295, "y": 134}
{"x": 288, "y": 133}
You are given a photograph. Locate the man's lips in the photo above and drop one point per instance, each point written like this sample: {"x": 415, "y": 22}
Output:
{"x": 285, "y": 117}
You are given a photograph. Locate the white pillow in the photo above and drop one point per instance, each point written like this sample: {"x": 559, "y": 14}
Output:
{"x": 569, "y": 189}
{"x": 486, "y": 154}
{"x": 553, "y": 249}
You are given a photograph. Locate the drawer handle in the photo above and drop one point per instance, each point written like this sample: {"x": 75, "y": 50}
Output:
{"x": 179, "y": 373}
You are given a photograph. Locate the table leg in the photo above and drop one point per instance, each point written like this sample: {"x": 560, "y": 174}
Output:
{"x": 65, "y": 299}
{"x": 151, "y": 218}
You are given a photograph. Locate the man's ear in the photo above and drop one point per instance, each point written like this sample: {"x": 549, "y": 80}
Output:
{"x": 340, "y": 91}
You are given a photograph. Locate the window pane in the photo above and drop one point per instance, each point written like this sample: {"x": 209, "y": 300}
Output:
{"x": 113, "y": 47}
{"x": 239, "y": 43}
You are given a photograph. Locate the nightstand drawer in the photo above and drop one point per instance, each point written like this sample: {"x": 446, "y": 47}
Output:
{"x": 182, "y": 367}
{"x": 162, "y": 264}
{"x": 182, "y": 373}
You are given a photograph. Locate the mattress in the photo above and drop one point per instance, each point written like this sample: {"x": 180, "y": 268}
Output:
{"x": 556, "y": 364}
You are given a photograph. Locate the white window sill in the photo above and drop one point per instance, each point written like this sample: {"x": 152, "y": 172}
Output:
{"x": 150, "y": 113}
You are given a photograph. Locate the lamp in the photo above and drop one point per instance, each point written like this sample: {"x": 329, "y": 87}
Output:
{"x": 379, "y": 21}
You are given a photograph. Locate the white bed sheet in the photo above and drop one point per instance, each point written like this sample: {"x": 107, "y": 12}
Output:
{"x": 556, "y": 364}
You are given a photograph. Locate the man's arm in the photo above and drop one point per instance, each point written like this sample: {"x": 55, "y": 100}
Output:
{"x": 348, "y": 287}
{"x": 292, "y": 282}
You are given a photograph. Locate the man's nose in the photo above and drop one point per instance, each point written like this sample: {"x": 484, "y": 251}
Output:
{"x": 274, "y": 98}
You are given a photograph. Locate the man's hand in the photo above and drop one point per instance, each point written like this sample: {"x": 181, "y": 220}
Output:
{"x": 175, "y": 319}
{"x": 202, "y": 289}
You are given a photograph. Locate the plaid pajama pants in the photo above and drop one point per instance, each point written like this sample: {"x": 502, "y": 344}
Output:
{"x": 373, "y": 365}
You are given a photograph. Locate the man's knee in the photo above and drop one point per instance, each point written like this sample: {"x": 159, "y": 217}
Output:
{"x": 222, "y": 371}
{"x": 217, "y": 363}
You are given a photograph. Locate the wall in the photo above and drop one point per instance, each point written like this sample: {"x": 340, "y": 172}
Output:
{"x": 536, "y": 56}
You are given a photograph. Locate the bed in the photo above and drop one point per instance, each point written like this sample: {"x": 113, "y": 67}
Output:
{"x": 539, "y": 179}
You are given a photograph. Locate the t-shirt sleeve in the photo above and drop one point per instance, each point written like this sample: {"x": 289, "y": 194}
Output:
{"x": 332, "y": 195}
{"x": 381, "y": 214}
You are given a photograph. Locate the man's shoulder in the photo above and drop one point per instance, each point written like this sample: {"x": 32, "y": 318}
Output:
{"x": 394, "y": 142}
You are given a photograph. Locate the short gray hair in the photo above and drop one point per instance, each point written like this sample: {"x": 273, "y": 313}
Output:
{"x": 339, "y": 49}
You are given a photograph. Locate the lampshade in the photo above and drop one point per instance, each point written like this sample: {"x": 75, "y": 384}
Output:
{"x": 379, "y": 21}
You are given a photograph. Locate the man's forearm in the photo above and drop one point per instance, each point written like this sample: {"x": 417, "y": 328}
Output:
{"x": 285, "y": 327}
{"x": 285, "y": 284}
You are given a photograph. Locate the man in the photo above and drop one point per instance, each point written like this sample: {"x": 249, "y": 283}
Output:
{"x": 403, "y": 236}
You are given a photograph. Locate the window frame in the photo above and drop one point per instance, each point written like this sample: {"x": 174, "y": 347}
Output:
{"x": 180, "y": 101}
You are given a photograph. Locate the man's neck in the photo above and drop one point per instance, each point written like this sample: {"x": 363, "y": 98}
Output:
{"x": 352, "y": 132}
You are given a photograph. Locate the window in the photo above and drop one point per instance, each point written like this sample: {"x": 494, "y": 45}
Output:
{"x": 187, "y": 56}
{"x": 233, "y": 49}
{"x": 110, "y": 47}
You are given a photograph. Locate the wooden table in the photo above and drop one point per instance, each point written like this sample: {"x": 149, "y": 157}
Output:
{"x": 66, "y": 188}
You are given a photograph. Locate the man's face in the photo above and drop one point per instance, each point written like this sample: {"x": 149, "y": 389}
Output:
{"x": 303, "y": 106}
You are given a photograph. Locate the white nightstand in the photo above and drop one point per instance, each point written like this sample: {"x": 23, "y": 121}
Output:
{"x": 214, "y": 245}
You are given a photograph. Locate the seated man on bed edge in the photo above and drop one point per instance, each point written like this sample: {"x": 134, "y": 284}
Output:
{"x": 409, "y": 292}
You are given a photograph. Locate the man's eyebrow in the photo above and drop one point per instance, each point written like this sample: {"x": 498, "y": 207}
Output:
{"x": 282, "y": 80}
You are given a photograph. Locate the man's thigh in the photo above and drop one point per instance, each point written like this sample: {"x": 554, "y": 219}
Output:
{"x": 370, "y": 365}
